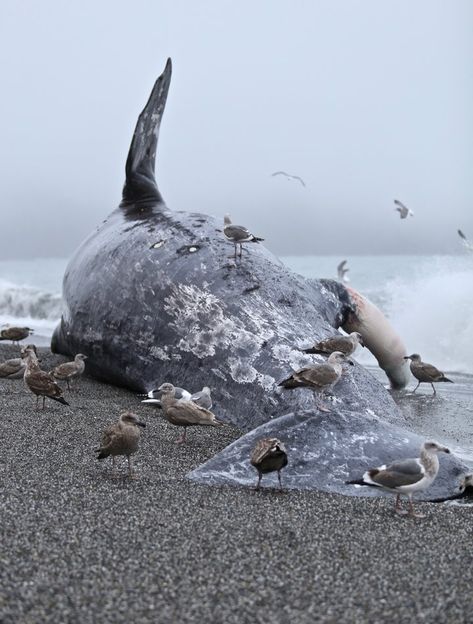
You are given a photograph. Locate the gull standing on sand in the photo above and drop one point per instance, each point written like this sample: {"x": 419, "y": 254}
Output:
{"x": 202, "y": 398}
{"x": 38, "y": 381}
{"x": 15, "y": 334}
{"x": 406, "y": 476}
{"x": 404, "y": 211}
{"x": 70, "y": 370}
{"x": 425, "y": 373}
{"x": 345, "y": 344}
{"x": 237, "y": 234}
{"x": 13, "y": 369}
{"x": 182, "y": 413}
{"x": 121, "y": 438}
{"x": 288, "y": 176}
{"x": 342, "y": 271}
{"x": 318, "y": 377}
{"x": 269, "y": 455}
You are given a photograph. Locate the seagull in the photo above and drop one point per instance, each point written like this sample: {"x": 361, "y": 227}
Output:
{"x": 425, "y": 373}
{"x": 269, "y": 455}
{"x": 70, "y": 370}
{"x": 202, "y": 398}
{"x": 318, "y": 377}
{"x": 406, "y": 476}
{"x": 342, "y": 272}
{"x": 237, "y": 234}
{"x": 467, "y": 481}
{"x": 184, "y": 413}
{"x": 465, "y": 241}
{"x": 38, "y": 381}
{"x": 121, "y": 438}
{"x": 13, "y": 369}
{"x": 404, "y": 211}
{"x": 345, "y": 344}
{"x": 289, "y": 176}
{"x": 15, "y": 334}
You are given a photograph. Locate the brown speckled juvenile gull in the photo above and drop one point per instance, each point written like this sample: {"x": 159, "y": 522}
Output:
{"x": 15, "y": 334}
{"x": 345, "y": 344}
{"x": 70, "y": 370}
{"x": 184, "y": 413}
{"x": 121, "y": 438}
{"x": 38, "y": 381}
{"x": 13, "y": 369}
{"x": 238, "y": 234}
{"x": 425, "y": 373}
{"x": 318, "y": 377}
{"x": 269, "y": 455}
{"x": 406, "y": 476}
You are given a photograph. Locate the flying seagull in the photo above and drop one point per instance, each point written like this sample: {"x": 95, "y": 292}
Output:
{"x": 289, "y": 176}
{"x": 404, "y": 211}
{"x": 237, "y": 234}
{"x": 342, "y": 271}
{"x": 465, "y": 241}
{"x": 406, "y": 476}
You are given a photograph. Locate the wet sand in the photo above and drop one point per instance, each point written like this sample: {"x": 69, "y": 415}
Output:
{"x": 79, "y": 546}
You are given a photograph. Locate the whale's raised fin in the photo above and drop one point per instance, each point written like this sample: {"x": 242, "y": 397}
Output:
{"x": 140, "y": 183}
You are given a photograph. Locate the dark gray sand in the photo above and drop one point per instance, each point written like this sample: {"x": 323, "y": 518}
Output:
{"x": 78, "y": 546}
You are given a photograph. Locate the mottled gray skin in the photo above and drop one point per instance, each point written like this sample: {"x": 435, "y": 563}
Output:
{"x": 152, "y": 296}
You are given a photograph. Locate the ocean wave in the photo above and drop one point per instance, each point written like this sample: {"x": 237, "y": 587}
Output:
{"x": 20, "y": 302}
{"x": 431, "y": 311}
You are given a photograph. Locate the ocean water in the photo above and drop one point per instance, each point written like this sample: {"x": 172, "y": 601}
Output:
{"x": 428, "y": 299}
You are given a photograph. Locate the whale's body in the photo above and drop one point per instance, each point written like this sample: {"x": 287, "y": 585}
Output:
{"x": 152, "y": 296}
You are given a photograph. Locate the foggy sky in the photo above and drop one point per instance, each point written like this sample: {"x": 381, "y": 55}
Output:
{"x": 367, "y": 101}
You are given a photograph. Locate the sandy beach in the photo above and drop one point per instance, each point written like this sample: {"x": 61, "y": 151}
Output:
{"x": 79, "y": 546}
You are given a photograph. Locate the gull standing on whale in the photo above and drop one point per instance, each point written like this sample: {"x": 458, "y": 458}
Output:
{"x": 345, "y": 344}
{"x": 425, "y": 373}
{"x": 238, "y": 234}
{"x": 342, "y": 271}
{"x": 121, "y": 438}
{"x": 318, "y": 377}
{"x": 269, "y": 455}
{"x": 406, "y": 476}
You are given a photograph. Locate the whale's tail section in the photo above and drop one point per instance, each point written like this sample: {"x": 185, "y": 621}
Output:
{"x": 140, "y": 184}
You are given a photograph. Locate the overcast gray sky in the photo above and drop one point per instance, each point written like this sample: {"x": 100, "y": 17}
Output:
{"x": 368, "y": 101}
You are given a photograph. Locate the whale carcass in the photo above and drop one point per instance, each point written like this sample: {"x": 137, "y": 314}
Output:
{"x": 152, "y": 296}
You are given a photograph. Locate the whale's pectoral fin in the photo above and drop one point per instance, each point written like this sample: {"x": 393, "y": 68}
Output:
{"x": 379, "y": 337}
{"x": 140, "y": 183}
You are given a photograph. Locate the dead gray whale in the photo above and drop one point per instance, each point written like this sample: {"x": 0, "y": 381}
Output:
{"x": 152, "y": 296}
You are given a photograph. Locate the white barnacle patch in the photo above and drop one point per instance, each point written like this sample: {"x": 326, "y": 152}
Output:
{"x": 159, "y": 353}
{"x": 242, "y": 371}
{"x": 138, "y": 267}
{"x": 290, "y": 357}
